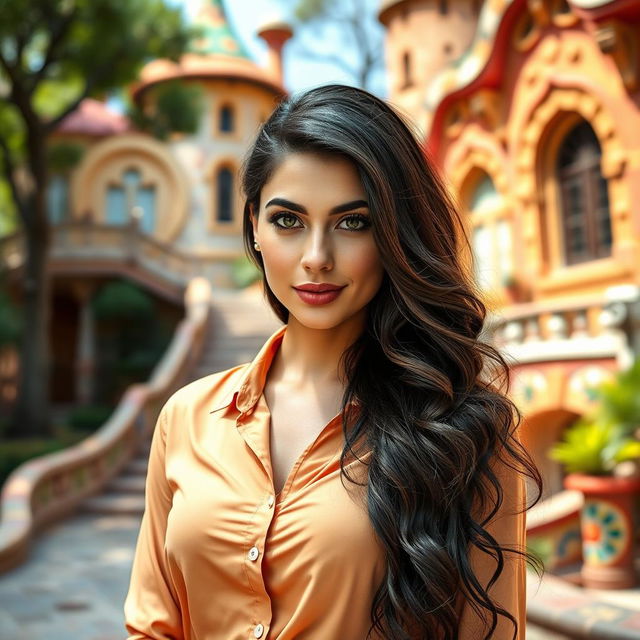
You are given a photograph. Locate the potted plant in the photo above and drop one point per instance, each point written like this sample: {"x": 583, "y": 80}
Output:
{"x": 514, "y": 288}
{"x": 601, "y": 452}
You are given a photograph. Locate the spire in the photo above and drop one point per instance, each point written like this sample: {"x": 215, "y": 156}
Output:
{"x": 217, "y": 35}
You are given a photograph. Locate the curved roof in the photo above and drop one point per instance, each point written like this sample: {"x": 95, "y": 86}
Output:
{"x": 93, "y": 118}
{"x": 218, "y": 53}
{"x": 217, "y": 36}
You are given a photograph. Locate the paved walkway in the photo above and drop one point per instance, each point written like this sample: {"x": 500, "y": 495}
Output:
{"x": 74, "y": 584}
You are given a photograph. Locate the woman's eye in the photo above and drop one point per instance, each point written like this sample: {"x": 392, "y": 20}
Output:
{"x": 355, "y": 222}
{"x": 274, "y": 219}
{"x": 356, "y": 219}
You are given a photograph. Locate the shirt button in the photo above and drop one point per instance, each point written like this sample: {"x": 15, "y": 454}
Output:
{"x": 253, "y": 554}
{"x": 270, "y": 501}
{"x": 257, "y": 631}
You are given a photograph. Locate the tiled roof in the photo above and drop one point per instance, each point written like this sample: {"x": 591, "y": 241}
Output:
{"x": 217, "y": 35}
{"x": 219, "y": 53}
{"x": 94, "y": 118}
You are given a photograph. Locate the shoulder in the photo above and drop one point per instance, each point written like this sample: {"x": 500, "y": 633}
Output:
{"x": 206, "y": 393}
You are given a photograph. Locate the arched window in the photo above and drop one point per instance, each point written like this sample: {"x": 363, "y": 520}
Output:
{"x": 492, "y": 236}
{"x": 406, "y": 70}
{"x": 586, "y": 221}
{"x": 226, "y": 118}
{"x": 130, "y": 199}
{"x": 58, "y": 198}
{"x": 224, "y": 182}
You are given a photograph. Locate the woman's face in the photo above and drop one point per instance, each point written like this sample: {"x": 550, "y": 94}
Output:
{"x": 313, "y": 227}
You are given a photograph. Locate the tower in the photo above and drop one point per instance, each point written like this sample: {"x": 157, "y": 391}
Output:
{"x": 422, "y": 38}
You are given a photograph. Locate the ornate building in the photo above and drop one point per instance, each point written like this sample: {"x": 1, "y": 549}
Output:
{"x": 183, "y": 194}
{"x": 531, "y": 110}
{"x": 529, "y": 107}
{"x": 152, "y": 212}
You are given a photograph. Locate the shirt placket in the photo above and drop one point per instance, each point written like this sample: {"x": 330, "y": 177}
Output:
{"x": 255, "y": 533}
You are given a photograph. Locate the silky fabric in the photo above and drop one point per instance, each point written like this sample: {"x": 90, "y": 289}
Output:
{"x": 220, "y": 557}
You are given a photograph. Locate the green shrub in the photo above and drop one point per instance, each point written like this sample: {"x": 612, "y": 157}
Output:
{"x": 15, "y": 452}
{"x": 541, "y": 547}
{"x": 244, "y": 272}
{"x": 89, "y": 418}
{"x": 596, "y": 443}
{"x": 122, "y": 300}
{"x": 620, "y": 399}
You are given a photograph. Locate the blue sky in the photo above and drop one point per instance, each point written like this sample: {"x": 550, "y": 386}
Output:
{"x": 246, "y": 16}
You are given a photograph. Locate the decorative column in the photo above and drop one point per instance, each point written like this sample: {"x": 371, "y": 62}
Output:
{"x": 85, "y": 344}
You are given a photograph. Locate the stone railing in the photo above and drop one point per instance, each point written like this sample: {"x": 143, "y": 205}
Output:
{"x": 108, "y": 244}
{"x": 590, "y": 327}
{"x": 51, "y": 486}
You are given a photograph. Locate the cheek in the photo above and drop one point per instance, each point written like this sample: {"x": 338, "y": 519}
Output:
{"x": 278, "y": 259}
{"x": 364, "y": 263}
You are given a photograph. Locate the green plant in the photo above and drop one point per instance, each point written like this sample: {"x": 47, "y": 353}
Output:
{"x": 122, "y": 300}
{"x": 176, "y": 109}
{"x": 596, "y": 443}
{"x": 620, "y": 399}
{"x": 63, "y": 156}
{"x": 542, "y": 548}
{"x": 14, "y": 452}
{"x": 244, "y": 272}
{"x": 510, "y": 280}
{"x": 594, "y": 447}
{"x": 88, "y": 418}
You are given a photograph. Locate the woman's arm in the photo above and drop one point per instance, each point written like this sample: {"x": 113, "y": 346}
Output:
{"x": 151, "y": 607}
{"x": 509, "y": 590}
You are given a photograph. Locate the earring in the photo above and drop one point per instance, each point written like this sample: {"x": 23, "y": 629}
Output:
{"x": 256, "y": 246}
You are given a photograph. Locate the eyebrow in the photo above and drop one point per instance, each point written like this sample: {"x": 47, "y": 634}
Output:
{"x": 341, "y": 208}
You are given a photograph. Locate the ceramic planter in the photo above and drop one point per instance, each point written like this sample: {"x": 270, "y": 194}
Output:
{"x": 608, "y": 522}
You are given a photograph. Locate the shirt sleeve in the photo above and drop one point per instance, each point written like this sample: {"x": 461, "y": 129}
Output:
{"x": 151, "y": 607}
{"x": 509, "y": 590}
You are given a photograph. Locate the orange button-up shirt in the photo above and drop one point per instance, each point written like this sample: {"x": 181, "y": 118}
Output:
{"x": 220, "y": 557}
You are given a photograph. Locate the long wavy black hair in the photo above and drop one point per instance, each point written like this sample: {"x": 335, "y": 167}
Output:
{"x": 433, "y": 395}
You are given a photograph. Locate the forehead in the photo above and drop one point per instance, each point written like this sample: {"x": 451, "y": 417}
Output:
{"x": 301, "y": 176}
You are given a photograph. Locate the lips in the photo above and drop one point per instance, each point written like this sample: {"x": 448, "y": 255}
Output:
{"x": 318, "y": 288}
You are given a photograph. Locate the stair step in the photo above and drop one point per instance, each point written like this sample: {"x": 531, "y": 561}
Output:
{"x": 137, "y": 467}
{"x": 113, "y": 503}
{"x": 127, "y": 484}
{"x": 240, "y": 324}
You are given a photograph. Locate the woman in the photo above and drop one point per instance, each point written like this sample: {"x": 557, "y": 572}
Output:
{"x": 361, "y": 477}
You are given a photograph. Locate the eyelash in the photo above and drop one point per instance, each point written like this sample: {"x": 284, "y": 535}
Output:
{"x": 286, "y": 214}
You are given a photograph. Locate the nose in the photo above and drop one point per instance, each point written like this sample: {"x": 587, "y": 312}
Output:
{"x": 317, "y": 254}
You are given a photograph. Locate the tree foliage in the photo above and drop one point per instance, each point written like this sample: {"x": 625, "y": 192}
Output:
{"x": 53, "y": 55}
{"x": 173, "y": 107}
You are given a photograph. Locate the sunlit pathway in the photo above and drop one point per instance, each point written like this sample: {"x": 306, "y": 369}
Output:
{"x": 73, "y": 585}
{"x": 75, "y": 581}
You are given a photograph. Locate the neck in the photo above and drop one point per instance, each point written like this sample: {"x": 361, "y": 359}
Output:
{"x": 310, "y": 358}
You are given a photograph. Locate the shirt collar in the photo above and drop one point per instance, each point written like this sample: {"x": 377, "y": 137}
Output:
{"x": 247, "y": 388}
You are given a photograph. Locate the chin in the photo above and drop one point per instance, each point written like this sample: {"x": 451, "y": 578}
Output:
{"x": 308, "y": 320}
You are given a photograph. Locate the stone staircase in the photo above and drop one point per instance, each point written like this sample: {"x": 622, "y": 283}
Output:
{"x": 240, "y": 323}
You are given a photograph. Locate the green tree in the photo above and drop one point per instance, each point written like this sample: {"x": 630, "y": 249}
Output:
{"x": 54, "y": 54}
{"x": 356, "y": 22}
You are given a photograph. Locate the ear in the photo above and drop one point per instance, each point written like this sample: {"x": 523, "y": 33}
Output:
{"x": 254, "y": 222}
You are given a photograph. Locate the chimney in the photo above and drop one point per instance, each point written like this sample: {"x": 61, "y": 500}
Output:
{"x": 275, "y": 34}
